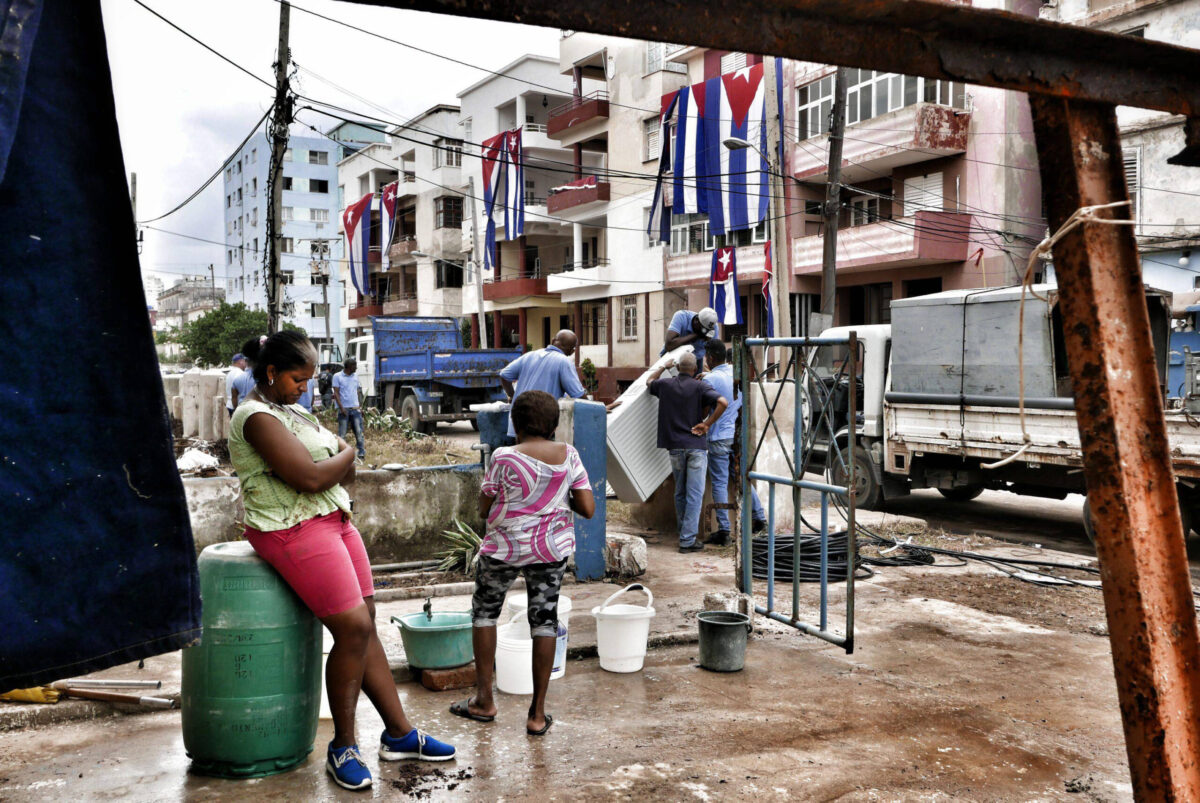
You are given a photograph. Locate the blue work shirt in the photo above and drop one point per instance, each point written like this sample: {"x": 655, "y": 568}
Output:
{"x": 549, "y": 370}
{"x": 721, "y": 379}
{"x": 306, "y": 398}
{"x": 681, "y": 324}
{"x": 244, "y": 384}
{"x": 346, "y": 387}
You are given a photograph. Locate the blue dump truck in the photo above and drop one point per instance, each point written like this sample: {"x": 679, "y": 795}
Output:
{"x": 419, "y": 368}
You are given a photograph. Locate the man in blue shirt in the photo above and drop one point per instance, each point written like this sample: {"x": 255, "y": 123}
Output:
{"x": 550, "y": 370}
{"x": 345, "y": 396}
{"x": 682, "y": 401}
{"x": 720, "y": 444}
{"x": 243, "y": 384}
{"x": 691, "y": 328}
{"x": 306, "y": 398}
{"x": 237, "y": 367}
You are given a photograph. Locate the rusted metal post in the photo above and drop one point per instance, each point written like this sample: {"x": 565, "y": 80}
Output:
{"x": 1139, "y": 539}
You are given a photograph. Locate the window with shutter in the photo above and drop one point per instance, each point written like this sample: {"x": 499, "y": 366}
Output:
{"x": 923, "y": 193}
{"x": 651, "y": 136}
{"x": 654, "y": 56}
{"x": 732, "y": 61}
{"x": 1133, "y": 179}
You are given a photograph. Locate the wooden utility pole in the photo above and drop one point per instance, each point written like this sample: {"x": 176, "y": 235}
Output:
{"x": 833, "y": 200}
{"x": 781, "y": 279}
{"x": 281, "y": 119}
{"x": 477, "y": 266}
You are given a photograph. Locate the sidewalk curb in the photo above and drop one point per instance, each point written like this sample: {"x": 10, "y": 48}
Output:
{"x": 20, "y": 716}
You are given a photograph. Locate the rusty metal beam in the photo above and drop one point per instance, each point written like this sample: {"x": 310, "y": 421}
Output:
{"x": 931, "y": 38}
{"x": 1139, "y": 539}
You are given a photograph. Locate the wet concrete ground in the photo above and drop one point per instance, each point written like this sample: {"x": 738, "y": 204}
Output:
{"x": 964, "y": 685}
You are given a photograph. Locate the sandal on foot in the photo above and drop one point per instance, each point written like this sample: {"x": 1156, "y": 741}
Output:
{"x": 463, "y": 709}
{"x": 542, "y": 732}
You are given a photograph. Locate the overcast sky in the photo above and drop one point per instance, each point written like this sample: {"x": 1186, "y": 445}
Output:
{"x": 182, "y": 110}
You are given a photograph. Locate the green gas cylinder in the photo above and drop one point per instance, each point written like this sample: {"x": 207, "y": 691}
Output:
{"x": 252, "y": 687}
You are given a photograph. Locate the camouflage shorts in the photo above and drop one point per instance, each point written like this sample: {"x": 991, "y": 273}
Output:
{"x": 543, "y": 581}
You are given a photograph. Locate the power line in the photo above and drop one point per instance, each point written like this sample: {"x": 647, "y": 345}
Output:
{"x": 214, "y": 176}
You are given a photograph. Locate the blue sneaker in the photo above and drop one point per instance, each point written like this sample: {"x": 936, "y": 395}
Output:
{"x": 415, "y": 745}
{"x": 346, "y": 766}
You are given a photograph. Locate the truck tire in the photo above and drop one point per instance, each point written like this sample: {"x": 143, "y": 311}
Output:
{"x": 963, "y": 493}
{"x": 411, "y": 410}
{"x": 868, "y": 495}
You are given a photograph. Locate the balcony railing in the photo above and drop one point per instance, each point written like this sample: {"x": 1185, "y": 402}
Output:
{"x": 408, "y": 177}
{"x": 540, "y": 270}
{"x": 536, "y": 128}
{"x": 585, "y": 195}
{"x": 927, "y": 238}
{"x": 577, "y": 111}
{"x": 365, "y": 306}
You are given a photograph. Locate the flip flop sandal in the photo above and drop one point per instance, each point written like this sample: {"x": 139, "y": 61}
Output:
{"x": 462, "y": 709}
{"x": 546, "y": 727}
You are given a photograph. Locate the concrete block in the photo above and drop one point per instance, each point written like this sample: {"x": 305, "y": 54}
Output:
{"x": 189, "y": 389}
{"x": 732, "y": 601}
{"x": 460, "y": 677}
{"x": 625, "y": 556}
{"x": 212, "y": 386}
{"x": 177, "y": 408}
{"x": 220, "y": 419}
{"x": 171, "y": 385}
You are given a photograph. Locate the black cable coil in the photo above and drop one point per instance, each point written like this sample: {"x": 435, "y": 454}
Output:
{"x": 809, "y": 558}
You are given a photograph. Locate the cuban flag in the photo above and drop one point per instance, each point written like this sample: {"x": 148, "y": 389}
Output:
{"x": 387, "y": 220}
{"x": 768, "y": 272}
{"x": 730, "y": 186}
{"x": 356, "y": 223}
{"x": 503, "y": 182}
{"x": 723, "y": 289}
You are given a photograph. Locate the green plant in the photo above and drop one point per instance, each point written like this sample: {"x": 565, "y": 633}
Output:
{"x": 588, "y": 369}
{"x": 388, "y": 421}
{"x": 462, "y": 550}
{"x": 214, "y": 338}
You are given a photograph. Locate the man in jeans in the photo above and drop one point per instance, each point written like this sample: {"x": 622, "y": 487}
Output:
{"x": 720, "y": 444}
{"x": 345, "y": 395}
{"x": 682, "y": 401}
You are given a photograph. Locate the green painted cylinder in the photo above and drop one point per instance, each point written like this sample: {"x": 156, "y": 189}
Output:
{"x": 252, "y": 687}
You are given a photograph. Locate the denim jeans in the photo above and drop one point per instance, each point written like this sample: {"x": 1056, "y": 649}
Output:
{"x": 353, "y": 417}
{"x": 688, "y": 466}
{"x": 718, "y": 473}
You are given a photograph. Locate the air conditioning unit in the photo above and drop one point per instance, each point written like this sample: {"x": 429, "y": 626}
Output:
{"x": 636, "y": 466}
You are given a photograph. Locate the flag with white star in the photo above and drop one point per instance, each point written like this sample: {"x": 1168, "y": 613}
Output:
{"x": 723, "y": 289}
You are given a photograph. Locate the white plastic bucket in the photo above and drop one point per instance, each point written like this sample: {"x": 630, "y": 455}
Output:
{"x": 516, "y": 606}
{"x": 326, "y": 646}
{"x": 622, "y": 631}
{"x": 514, "y": 659}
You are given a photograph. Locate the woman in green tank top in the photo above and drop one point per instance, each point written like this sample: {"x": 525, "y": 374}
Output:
{"x": 298, "y": 519}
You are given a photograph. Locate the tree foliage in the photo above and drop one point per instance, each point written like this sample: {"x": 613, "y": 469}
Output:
{"x": 214, "y": 338}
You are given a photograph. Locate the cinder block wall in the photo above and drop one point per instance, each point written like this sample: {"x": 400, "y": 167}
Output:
{"x": 400, "y": 514}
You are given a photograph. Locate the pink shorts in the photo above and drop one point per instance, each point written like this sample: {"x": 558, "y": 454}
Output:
{"x": 322, "y": 559}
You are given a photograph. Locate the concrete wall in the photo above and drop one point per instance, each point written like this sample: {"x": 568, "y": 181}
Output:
{"x": 400, "y": 514}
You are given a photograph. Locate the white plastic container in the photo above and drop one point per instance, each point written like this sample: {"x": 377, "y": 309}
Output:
{"x": 514, "y": 659}
{"x": 622, "y": 631}
{"x": 326, "y": 646}
{"x": 516, "y": 606}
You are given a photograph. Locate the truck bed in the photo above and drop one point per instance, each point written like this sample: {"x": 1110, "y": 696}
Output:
{"x": 994, "y": 432}
{"x": 463, "y": 368}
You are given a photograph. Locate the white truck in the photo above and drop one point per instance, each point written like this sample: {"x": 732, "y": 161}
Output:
{"x": 938, "y": 395}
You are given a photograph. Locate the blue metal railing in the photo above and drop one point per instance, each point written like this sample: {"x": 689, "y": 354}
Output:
{"x": 797, "y": 366}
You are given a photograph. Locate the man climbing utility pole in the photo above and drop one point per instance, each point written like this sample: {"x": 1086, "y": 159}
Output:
{"x": 280, "y": 121}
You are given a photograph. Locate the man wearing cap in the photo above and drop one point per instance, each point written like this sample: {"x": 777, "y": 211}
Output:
{"x": 236, "y": 369}
{"x": 693, "y": 329}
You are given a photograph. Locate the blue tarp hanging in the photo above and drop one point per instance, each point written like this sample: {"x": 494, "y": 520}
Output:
{"x": 97, "y": 565}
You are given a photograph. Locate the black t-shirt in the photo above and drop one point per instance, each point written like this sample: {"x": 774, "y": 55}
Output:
{"x": 683, "y": 402}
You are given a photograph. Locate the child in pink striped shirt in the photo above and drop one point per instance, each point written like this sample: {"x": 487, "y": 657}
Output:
{"x": 527, "y": 499}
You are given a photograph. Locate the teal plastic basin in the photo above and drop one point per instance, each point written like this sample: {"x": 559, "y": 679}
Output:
{"x": 440, "y": 643}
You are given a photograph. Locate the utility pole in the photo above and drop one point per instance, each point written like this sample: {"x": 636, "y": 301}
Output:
{"x": 477, "y": 266}
{"x": 319, "y": 249}
{"x": 833, "y": 202}
{"x": 281, "y": 119}
{"x": 212, "y": 276}
{"x": 777, "y": 211}
{"x": 137, "y": 234}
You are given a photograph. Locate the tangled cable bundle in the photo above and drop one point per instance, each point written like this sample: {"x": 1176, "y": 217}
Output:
{"x": 809, "y": 558}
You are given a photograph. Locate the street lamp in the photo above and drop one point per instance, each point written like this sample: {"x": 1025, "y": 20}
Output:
{"x": 739, "y": 144}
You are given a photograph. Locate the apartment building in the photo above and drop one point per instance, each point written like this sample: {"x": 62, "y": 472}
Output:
{"x": 522, "y": 309}
{"x": 310, "y": 211}
{"x": 610, "y": 125}
{"x": 187, "y": 300}
{"x": 1166, "y": 198}
{"x": 423, "y": 271}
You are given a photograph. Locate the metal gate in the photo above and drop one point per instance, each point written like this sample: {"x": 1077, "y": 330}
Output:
{"x": 816, "y": 400}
